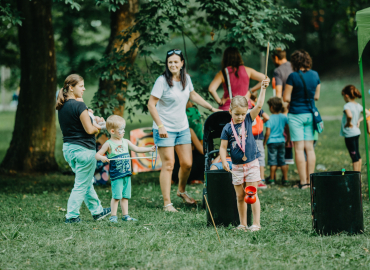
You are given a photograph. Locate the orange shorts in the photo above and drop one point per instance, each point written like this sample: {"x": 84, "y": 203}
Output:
{"x": 249, "y": 172}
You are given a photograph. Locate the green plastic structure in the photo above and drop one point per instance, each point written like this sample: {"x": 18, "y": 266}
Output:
{"x": 363, "y": 37}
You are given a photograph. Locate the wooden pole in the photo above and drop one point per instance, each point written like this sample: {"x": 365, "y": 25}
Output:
{"x": 267, "y": 58}
{"x": 210, "y": 213}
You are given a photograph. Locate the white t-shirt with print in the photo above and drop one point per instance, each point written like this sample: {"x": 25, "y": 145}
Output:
{"x": 171, "y": 106}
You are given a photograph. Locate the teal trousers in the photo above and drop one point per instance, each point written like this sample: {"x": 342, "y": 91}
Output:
{"x": 83, "y": 163}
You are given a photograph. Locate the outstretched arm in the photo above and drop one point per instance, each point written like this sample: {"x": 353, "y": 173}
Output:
{"x": 261, "y": 99}
{"x": 138, "y": 149}
{"x": 194, "y": 96}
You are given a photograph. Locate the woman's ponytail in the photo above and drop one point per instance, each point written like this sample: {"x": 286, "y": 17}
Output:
{"x": 71, "y": 80}
{"x": 351, "y": 91}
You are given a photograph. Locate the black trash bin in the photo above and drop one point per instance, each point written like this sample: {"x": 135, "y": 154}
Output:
{"x": 336, "y": 202}
{"x": 221, "y": 198}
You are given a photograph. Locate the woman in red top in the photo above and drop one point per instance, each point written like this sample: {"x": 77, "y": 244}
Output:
{"x": 239, "y": 78}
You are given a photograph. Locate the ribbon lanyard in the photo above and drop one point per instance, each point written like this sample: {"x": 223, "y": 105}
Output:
{"x": 154, "y": 163}
{"x": 237, "y": 139}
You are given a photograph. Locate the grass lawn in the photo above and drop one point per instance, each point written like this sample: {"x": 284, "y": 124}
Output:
{"x": 33, "y": 236}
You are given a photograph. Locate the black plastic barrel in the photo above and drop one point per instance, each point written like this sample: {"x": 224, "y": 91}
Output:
{"x": 221, "y": 198}
{"x": 336, "y": 202}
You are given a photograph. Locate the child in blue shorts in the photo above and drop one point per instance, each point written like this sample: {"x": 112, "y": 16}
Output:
{"x": 274, "y": 138}
{"x": 119, "y": 170}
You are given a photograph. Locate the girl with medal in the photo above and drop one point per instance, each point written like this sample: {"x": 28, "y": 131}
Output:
{"x": 238, "y": 137}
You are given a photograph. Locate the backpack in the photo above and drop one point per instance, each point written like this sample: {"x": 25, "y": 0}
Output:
{"x": 257, "y": 125}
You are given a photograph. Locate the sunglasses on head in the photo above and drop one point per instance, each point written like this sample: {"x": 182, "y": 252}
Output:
{"x": 178, "y": 52}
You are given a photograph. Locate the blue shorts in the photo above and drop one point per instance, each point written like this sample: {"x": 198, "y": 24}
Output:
{"x": 121, "y": 188}
{"x": 276, "y": 154}
{"x": 219, "y": 165}
{"x": 301, "y": 127}
{"x": 174, "y": 138}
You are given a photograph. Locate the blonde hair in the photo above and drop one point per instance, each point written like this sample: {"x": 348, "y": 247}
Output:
{"x": 114, "y": 122}
{"x": 71, "y": 80}
{"x": 238, "y": 101}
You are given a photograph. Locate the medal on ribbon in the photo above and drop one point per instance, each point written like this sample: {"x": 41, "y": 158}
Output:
{"x": 237, "y": 139}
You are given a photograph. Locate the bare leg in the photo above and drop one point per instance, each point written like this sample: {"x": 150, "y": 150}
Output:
{"x": 311, "y": 159}
{"x": 167, "y": 155}
{"x": 284, "y": 169}
{"x": 242, "y": 206}
{"x": 124, "y": 206}
{"x": 273, "y": 172}
{"x": 256, "y": 207}
{"x": 262, "y": 172}
{"x": 114, "y": 206}
{"x": 185, "y": 155}
{"x": 357, "y": 165}
{"x": 300, "y": 161}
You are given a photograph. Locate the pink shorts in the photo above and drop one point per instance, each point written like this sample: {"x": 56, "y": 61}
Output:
{"x": 249, "y": 172}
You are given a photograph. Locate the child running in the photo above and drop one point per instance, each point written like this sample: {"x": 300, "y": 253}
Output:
{"x": 119, "y": 170}
{"x": 274, "y": 138}
{"x": 351, "y": 120}
{"x": 238, "y": 136}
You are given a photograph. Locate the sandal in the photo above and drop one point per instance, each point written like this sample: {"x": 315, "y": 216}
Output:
{"x": 169, "y": 208}
{"x": 186, "y": 199}
{"x": 254, "y": 228}
{"x": 240, "y": 227}
{"x": 301, "y": 186}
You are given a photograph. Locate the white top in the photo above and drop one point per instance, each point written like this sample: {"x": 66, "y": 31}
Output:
{"x": 356, "y": 110}
{"x": 171, "y": 106}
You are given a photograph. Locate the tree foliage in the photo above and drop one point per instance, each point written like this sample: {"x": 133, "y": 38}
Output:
{"x": 230, "y": 23}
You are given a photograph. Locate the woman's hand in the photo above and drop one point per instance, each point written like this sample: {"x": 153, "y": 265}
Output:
{"x": 215, "y": 110}
{"x": 223, "y": 101}
{"x": 104, "y": 159}
{"x": 163, "y": 132}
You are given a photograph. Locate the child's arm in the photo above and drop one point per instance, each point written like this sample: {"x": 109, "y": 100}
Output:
{"x": 349, "y": 118}
{"x": 137, "y": 149}
{"x": 265, "y": 117}
{"x": 267, "y": 135}
{"x": 261, "y": 99}
{"x": 223, "y": 150}
{"x": 359, "y": 121}
{"x": 104, "y": 149}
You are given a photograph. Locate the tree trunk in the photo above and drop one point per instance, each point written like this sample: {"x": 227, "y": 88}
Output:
{"x": 122, "y": 19}
{"x": 33, "y": 141}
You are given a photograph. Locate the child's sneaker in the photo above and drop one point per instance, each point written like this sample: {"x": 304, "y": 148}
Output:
{"x": 262, "y": 184}
{"x": 113, "y": 219}
{"x": 106, "y": 212}
{"x": 270, "y": 181}
{"x": 72, "y": 220}
{"x": 128, "y": 218}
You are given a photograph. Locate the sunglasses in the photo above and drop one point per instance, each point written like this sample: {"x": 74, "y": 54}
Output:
{"x": 178, "y": 52}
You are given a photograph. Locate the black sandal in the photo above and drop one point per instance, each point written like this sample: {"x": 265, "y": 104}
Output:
{"x": 301, "y": 186}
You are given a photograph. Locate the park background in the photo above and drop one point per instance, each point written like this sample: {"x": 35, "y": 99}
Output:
{"x": 33, "y": 195}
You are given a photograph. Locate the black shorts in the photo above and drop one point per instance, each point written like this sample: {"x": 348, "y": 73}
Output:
{"x": 352, "y": 146}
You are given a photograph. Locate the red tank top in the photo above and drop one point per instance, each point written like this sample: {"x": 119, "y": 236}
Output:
{"x": 239, "y": 86}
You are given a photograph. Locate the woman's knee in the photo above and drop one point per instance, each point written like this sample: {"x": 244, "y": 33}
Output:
{"x": 168, "y": 165}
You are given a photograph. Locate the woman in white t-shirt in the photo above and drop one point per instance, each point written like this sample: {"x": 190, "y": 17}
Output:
{"x": 167, "y": 105}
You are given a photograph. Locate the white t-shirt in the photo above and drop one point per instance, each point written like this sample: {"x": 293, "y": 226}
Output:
{"x": 356, "y": 110}
{"x": 171, "y": 106}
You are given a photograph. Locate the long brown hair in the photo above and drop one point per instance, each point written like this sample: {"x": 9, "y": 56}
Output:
{"x": 351, "y": 91}
{"x": 71, "y": 80}
{"x": 232, "y": 58}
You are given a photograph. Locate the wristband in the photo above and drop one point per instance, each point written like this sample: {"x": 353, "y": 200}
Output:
{"x": 160, "y": 126}
{"x": 211, "y": 108}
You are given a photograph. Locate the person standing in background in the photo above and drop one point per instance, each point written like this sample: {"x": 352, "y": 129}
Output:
{"x": 283, "y": 70}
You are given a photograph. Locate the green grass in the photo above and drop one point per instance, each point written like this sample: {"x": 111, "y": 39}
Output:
{"x": 33, "y": 236}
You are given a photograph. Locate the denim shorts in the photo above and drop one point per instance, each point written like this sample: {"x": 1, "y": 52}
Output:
{"x": 276, "y": 154}
{"x": 301, "y": 127}
{"x": 174, "y": 138}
